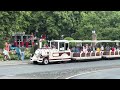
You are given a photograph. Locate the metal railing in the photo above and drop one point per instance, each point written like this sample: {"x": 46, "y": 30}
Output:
{"x": 91, "y": 54}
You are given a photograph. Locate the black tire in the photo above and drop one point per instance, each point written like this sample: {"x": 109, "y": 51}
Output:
{"x": 35, "y": 62}
{"x": 5, "y": 57}
{"x": 72, "y": 60}
{"x": 45, "y": 61}
{"x": 59, "y": 62}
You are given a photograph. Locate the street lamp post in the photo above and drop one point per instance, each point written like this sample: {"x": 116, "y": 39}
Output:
{"x": 94, "y": 37}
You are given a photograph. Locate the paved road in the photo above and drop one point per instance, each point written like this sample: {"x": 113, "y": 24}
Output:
{"x": 53, "y": 71}
{"x": 113, "y": 73}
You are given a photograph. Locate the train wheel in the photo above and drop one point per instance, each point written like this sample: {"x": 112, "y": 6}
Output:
{"x": 45, "y": 61}
{"x": 72, "y": 60}
{"x": 59, "y": 62}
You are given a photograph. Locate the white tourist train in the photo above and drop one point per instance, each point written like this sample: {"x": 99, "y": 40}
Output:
{"x": 59, "y": 50}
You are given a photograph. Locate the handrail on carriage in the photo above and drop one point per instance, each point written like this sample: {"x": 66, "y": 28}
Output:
{"x": 101, "y": 53}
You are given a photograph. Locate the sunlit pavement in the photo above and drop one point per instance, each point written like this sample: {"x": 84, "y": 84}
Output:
{"x": 27, "y": 70}
{"x": 113, "y": 73}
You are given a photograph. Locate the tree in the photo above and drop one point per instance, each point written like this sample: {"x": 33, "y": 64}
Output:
{"x": 75, "y": 24}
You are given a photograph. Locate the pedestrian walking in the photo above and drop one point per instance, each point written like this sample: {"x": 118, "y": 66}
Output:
{"x": 22, "y": 53}
{"x": 6, "y": 54}
{"x": 18, "y": 52}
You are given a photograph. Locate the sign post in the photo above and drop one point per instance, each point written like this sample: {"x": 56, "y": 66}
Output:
{"x": 94, "y": 37}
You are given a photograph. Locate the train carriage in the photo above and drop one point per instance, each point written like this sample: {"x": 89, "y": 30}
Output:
{"x": 96, "y": 55}
{"x": 85, "y": 55}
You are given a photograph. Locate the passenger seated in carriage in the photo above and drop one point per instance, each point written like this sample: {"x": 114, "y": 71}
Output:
{"x": 89, "y": 49}
{"x": 102, "y": 48}
{"x": 75, "y": 49}
{"x": 98, "y": 49}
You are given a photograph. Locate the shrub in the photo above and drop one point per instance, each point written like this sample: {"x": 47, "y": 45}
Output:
{"x": 71, "y": 44}
{"x": 2, "y": 44}
{"x": 1, "y": 57}
{"x": 68, "y": 38}
{"x": 14, "y": 56}
{"x": 44, "y": 42}
{"x": 27, "y": 53}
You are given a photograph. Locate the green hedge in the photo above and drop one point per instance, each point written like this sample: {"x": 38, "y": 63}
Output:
{"x": 27, "y": 53}
{"x": 14, "y": 57}
{"x": 44, "y": 42}
{"x": 72, "y": 44}
{"x": 1, "y": 57}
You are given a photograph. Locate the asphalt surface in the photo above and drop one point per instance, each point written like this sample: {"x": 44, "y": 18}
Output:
{"x": 26, "y": 70}
{"x": 113, "y": 73}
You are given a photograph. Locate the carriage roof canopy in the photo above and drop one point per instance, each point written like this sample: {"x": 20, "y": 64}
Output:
{"x": 97, "y": 41}
{"x": 83, "y": 41}
{"x": 60, "y": 41}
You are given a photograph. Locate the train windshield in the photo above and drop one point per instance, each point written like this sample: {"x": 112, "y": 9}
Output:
{"x": 54, "y": 45}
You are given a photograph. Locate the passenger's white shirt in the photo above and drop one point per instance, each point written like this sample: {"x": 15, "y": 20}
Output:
{"x": 102, "y": 48}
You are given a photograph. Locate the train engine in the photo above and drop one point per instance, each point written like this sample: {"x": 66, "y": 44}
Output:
{"x": 58, "y": 51}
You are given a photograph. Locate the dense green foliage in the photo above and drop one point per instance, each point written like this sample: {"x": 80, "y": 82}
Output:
{"x": 71, "y": 44}
{"x": 74, "y": 24}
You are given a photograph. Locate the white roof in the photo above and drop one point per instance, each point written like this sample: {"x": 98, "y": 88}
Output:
{"x": 97, "y": 41}
{"x": 82, "y": 41}
{"x": 59, "y": 41}
{"x": 108, "y": 41}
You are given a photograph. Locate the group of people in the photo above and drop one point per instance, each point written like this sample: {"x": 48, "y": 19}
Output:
{"x": 88, "y": 48}
{"x": 19, "y": 51}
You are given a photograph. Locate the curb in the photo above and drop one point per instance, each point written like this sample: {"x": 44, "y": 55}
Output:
{"x": 13, "y": 63}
